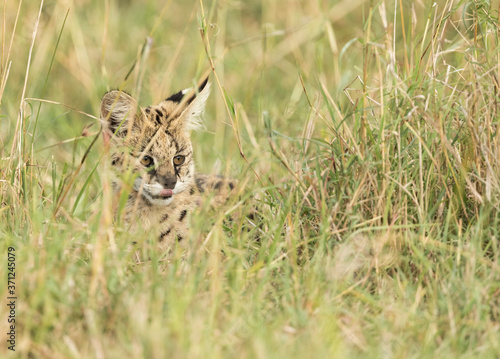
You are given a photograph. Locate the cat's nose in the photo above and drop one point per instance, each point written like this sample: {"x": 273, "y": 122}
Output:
{"x": 168, "y": 182}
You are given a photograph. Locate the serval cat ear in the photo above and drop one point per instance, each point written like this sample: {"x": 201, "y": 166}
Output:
{"x": 118, "y": 112}
{"x": 190, "y": 118}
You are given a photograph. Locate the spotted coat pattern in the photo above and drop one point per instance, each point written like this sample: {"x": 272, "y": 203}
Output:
{"x": 152, "y": 155}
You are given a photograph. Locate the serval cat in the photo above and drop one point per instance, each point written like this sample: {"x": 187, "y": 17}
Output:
{"x": 153, "y": 146}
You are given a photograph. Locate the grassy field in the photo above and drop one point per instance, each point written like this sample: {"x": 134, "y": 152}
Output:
{"x": 369, "y": 134}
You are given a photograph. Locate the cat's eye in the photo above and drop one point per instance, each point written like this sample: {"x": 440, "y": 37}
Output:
{"x": 147, "y": 161}
{"x": 179, "y": 160}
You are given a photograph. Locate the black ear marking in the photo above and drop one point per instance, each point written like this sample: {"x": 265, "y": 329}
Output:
{"x": 203, "y": 84}
{"x": 177, "y": 97}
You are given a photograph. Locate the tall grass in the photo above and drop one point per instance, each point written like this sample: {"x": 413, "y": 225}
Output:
{"x": 365, "y": 138}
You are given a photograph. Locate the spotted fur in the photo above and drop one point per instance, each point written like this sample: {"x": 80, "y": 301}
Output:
{"x": 152, "y": 154}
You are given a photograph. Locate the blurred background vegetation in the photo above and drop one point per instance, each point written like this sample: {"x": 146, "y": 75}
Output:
{"x": 371, "y": 144}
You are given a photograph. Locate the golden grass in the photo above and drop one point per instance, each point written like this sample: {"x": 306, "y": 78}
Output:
{"x": 365, "y": 134}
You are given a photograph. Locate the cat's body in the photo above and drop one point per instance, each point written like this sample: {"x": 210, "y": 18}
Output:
{"x": 152, "y": 154}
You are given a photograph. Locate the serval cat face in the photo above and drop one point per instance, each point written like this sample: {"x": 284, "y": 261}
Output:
{"x": 153, "y": 143}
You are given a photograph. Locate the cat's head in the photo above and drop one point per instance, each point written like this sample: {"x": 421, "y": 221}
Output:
{"x": 153, "y": 143}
